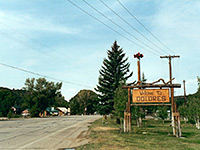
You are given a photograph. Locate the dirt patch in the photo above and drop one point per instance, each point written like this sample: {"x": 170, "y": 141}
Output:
{"x": 104, "y": 129}
{"x": 83, "y": 134}
{"x": 3, "y": 118}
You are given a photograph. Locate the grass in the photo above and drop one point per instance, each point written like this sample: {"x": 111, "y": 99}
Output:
{"x": 152, "y": 135}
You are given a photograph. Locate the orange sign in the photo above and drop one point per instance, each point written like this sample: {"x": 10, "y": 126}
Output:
{"x": 150, "y": 96}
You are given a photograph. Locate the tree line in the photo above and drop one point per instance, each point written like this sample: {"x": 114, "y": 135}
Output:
{"x": 190, "y": 111}
{"x": 36, "y": 95}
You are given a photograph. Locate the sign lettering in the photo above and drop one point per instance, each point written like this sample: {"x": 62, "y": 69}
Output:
{"x": 150, "y": 95}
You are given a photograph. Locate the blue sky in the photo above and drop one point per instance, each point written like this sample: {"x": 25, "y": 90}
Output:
{"x": 56, "y": 39}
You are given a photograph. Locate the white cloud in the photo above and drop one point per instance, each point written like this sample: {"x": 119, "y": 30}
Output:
{"x": 29, "y": 23}
{"x": 72, "y": 90}
{"x": 178, "y": 20}
{"x": 29, "y": 63}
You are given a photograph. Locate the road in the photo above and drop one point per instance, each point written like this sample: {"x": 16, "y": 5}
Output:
{"x": 45, "y": 133}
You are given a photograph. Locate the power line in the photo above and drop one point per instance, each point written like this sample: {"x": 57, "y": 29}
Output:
{"x": 110, "y": 27}
{"x": 118, "y": 25}
{"x": 34, "y": 73}
{"x": 27, "y": 45}
{"x": 144, "y": 26}
{"x": 41, "y": 44}
{"x": 19, "y": 41}
{"x": 131, "y": 26}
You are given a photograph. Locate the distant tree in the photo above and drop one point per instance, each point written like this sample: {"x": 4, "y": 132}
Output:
{"x": 163, "y": 112}
{"x": 198, "y": 81}
{"x": 115, "y": 69}
{"x": 7, "y": 100}
{"x": 10, "y": 114}
{"x": 10, "y": 98}
{"x": 183, "y": 111}
{"x": 60, "y": 101}
{"x": 41, "y": 94}
{"x": 85, "y": 102}
{"x": 138, "y": 114}
{"x": 193, "y": 110}
{"x": 37, "y": 93}
{"x": 75, "y": 107}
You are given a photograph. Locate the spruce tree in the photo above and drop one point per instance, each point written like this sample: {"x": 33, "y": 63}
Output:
{"x": 115, "y": 69}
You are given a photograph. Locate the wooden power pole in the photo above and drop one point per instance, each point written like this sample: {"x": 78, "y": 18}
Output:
{"x": 175, "y": 115}
{"x": 184, "y": 91}
{"x": 170, "y": 77}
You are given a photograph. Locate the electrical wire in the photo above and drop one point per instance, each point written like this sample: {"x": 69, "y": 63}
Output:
{"x": 145, "y": 27}
{"x": 118, "y": 26}
{"x": 27, "y": 45}
{"x": 41, "y": 44}
{"x": 37, "y": 74}
{"x": 19, "y": 41}
{"x": 131, "y": 26}
{"x": 111, "y": 28}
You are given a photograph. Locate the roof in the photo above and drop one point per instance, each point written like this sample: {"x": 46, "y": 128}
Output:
{"x": 48, "y": 109}
{"x": 63, "y": 109}
{"x": 17, "y": 107}
{"x": 25, "y": 111}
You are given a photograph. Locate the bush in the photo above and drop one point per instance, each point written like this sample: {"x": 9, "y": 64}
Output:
{"x": 10, "y": 114}
{"x": 192, "y": 121}
{"x": 1, "y": 114}
{"x": 34, "y": 111}
{"x": 118, "y": 120}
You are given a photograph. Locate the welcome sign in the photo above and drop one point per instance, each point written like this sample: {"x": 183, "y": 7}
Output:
{"x": 150, "y": 96}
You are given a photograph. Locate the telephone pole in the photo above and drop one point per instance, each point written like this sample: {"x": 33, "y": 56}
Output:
{"x": 170, "y": 78}
{"x": 173, "y": 107}
{"x": 184, "y": 91}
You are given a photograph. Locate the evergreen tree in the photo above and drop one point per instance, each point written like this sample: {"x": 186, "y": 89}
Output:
{"x": 114, "y": 70}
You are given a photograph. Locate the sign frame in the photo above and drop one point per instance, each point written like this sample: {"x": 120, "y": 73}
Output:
{"x": 148, "y": 96}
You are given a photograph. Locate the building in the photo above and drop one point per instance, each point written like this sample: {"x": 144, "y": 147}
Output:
{"x": 62, "y": 111}
{"x": 25, "y": 113}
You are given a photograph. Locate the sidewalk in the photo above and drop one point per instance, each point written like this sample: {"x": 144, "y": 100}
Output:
{"x": 3, "y": 118}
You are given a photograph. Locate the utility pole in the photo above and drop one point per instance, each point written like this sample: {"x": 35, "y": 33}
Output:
{"x": 184, "y": 91}
{"x": 170, "y": 77}
{"x": 173, "y": 107}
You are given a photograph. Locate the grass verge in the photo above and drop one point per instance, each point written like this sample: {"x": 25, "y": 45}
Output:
{"x": 152, "y": 135}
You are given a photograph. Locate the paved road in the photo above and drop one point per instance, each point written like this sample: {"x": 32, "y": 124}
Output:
{"x": 45, "y": 133}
